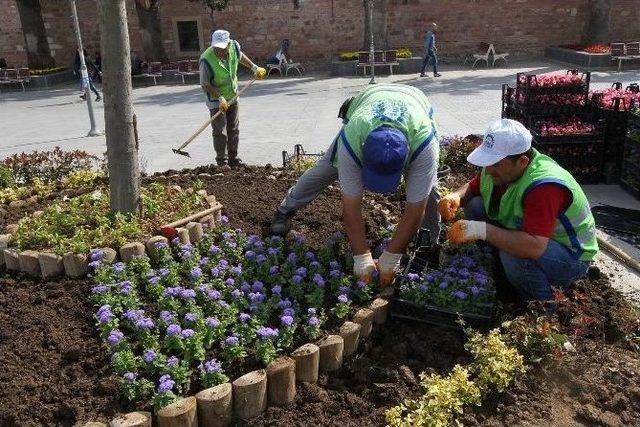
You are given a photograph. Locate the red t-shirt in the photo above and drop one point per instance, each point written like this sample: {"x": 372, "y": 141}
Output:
{"x": 542, "y": 205}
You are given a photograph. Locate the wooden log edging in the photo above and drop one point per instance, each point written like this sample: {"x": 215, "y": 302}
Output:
{"x": 47, "y": 265}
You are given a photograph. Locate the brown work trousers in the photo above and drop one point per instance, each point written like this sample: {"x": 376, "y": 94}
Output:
{"x": 226, "y": 142}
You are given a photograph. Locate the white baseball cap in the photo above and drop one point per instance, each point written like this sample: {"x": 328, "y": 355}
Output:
{"x": 220, "y": 39}
{"x": 504, "y": 138}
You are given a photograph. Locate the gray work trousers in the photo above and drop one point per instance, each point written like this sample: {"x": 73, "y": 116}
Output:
{"x": 323, "y": 174}
{"x": 227, "y": 142}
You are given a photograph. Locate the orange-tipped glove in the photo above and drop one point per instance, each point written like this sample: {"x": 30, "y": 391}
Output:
{"x": 387, "y": 265}
{"x": 448, "y": 206}
{"x": 259, "y": 72}
{"x": 364, "y": 267}
{"x": 464, "y": 231}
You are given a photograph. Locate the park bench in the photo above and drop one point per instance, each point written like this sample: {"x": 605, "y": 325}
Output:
{"x": 625, "y": 52}
{"x": 15, "y": 76}
{"x": 154, "y": 71}
{"x": 381, "y": 58}
{"x": 188, "y": 67}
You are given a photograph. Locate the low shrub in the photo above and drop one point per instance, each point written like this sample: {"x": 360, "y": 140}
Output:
{"x": 6, "y": 178}
{"x": 349, "y": 55}
{"x": 403, "y": 52}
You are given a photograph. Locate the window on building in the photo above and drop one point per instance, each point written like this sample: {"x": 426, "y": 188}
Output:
{"x": 188, "y": 36}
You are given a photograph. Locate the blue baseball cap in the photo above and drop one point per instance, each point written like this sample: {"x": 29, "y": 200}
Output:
{"x": 383, "y": 155}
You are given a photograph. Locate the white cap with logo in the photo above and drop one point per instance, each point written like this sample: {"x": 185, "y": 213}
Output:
{"x": 504, "y": 138}
{"x": 220, "y": 39}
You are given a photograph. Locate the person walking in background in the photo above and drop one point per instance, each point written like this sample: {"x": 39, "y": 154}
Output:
{"x": 219, "y": 81}
{"x": 430, "y": 51}
{"x": 90, "y": 67}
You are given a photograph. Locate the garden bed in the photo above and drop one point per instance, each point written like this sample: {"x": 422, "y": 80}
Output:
{"x": 57, "y": 372}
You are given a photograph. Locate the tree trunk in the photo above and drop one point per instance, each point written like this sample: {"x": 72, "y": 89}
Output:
{"x": 597, "y": 28}
{"x": 380, "y": 37}
{"x": 35, "y": 35}
{"x": 122, "y": 148}
{"x": 150, "y": 29}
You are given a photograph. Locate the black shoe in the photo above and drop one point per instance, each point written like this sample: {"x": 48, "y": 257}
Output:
{"x": 437, "y": 75}
{"x": 423, "y": 75}
{"x": 281, "y": 223}
{"x": 236, "y": 163}
{"x": 221, "y": 162}
{"x": 98, "y": 98}
{"x": 83, "y": 97}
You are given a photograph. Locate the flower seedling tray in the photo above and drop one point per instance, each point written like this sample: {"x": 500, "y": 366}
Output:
{"x": 528, "y": 83}
{"x": 479, "y": 316}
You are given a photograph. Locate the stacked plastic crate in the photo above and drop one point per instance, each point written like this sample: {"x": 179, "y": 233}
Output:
{"x": 630, "y": 175}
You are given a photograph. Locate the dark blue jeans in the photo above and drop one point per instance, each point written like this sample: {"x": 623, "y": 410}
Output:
{"x": 533, "y": 278}
{"x": 430, "y": 56}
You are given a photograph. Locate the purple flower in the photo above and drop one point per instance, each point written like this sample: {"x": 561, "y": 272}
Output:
{"x": 334, "y": 265}
{"x": 286, "y": 303}
{"x": 256, "y": 297}
{"x": 296, "y": 279}
{"x": 266, "y": 333}
{"x": 119, "y": 267}
{"x": 149, "y": 356}
{"x": 343, "y": 299}
{"x": 232, "y": 340}
{"x": 475, "y": 290}
{"x": 165, "y": 384}
{"x": 361, "y": 285}
{"x": 195, "y": 273}
{"x": 299, "y": 239}
{"x": 166, "y": 316}
{"x": 318, "y": 280}
{"x": 114, "y": 337}
{"x": 245, "y": 287}
{"x": 311, "y": 310}
{"x": 96, "y": 254}
{"x": 172, "y": 361}
{"x": 133, "y": 315}
{"x": 173, "y": 330}
{"x": 413, "y": 277}
{"x": 203, "y": 261}
{"x": 212, "y": 322}
{"x": 223, "y": 304}
{"x": 274, "y": 269}
{"x": 125, "y": 287}
{"x": 236, "y": 293}
{"x": 301, "y": 271}
{"x": 313, "y": 321}
{"x": 214, "y": 250}
{"x": 187, "y": 294}
{"x": 163, "y": 271}
{"x": 250, "y": 254}
{"x": 227, "y": 235}
{"x": 212, "y": 366}
{"x": 257, "y": 286}
{"x": 273, "y": 251}
{"x": 130, "y": 376}
{"x": 104, "y": 314}
{"x": 145, "y": 323}
{"x": 213, "y": 294}
{"x": 191, "y": 317}
{"x": 335, "y": 274}
{"x": 172, "y": 291}
{"x": 94, "y": 264}
{"x": 161, "y": 245}
{"x": 237, "y": 270}
{"x": 244, "y": 317}
{"x": 424, "y": 287}
{"x": 286, "y": 320}
{"x": 154, "y": 280}
{"x": 443, "y": 285}
{"x": 460, "y": 295}
{"x": 291, "y": 258}
{"x": 481, "y": 280}
{"x": 344, "y": 290}
{"x": 252, "y": 308}
{"x": 260, "y": 259}
{"x": 310, "y": 256}
{"x": 276, "y": 290}
{"x": 188, "y": 333}
{"x": 288, "y": 312}
{"x": 100, "y": 289}
{"x": 314, "y": 265}
{"x": 229, "y": 282}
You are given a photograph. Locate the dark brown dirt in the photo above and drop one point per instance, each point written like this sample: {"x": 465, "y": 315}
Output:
{"x": 55, "y": 372}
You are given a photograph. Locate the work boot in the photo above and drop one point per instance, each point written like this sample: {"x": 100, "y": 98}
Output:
{"x": 280, "y": 224}
{"x": 236, "y": 163}
{"x": 222, "y": 162}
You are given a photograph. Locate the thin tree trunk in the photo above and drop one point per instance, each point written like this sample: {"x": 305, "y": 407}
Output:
{"x": 35, "y": 35}
{"x": 122, "y": 150}
{"x": 151, "y": 30}
{"x": 380, "y": 36}
{"x": 597, "y": 28}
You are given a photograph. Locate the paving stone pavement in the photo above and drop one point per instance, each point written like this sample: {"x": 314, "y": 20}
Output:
{"x": 275, "y": 114}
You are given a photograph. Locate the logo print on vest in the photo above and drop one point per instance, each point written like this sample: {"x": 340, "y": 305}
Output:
{"x": 389, "y": 111}
{"x": 488, "y": 141}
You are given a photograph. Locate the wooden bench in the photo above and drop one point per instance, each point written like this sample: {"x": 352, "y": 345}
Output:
{"x": 381, "y": 58}
{"x": 189, "y": 67}
{"x": 625, "y": 52}
{"x": 15, "y": 76}
{"x": 154, "y": 71}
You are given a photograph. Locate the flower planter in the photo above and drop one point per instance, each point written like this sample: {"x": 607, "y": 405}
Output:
{"x": 581, "y": 59}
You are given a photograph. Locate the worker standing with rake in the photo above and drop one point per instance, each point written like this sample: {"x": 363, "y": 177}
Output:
{"x": 219, "y": 80}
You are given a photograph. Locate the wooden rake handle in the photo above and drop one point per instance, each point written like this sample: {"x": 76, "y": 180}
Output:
{"x": 208, "y": 122}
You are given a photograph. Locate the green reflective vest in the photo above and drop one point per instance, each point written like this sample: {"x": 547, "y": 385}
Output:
{"x": 402, "y": 107}
{"x": 574, "y": 228}
{"x": 224, "y": 73}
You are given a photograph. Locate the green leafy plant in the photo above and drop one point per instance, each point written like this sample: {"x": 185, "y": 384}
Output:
{"x": 348, "y": 56}
{"x": 404, "y": 52}
{"x": 6, "y": 177}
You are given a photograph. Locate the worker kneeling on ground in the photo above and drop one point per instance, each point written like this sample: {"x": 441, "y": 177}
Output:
{"x": 527, "y": 206}
{"x": 388, "y": 130}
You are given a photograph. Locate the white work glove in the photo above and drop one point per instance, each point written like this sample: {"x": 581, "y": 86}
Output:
{"x": 363, "y": 267}
{"x": 224, "y": 105}
{"x": 387, "y": 265}
{"x": 464, "y": 231}
{"x": 448, "y": 206}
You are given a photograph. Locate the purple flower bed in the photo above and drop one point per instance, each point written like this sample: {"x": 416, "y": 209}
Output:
{"x": 176, "y": 325}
